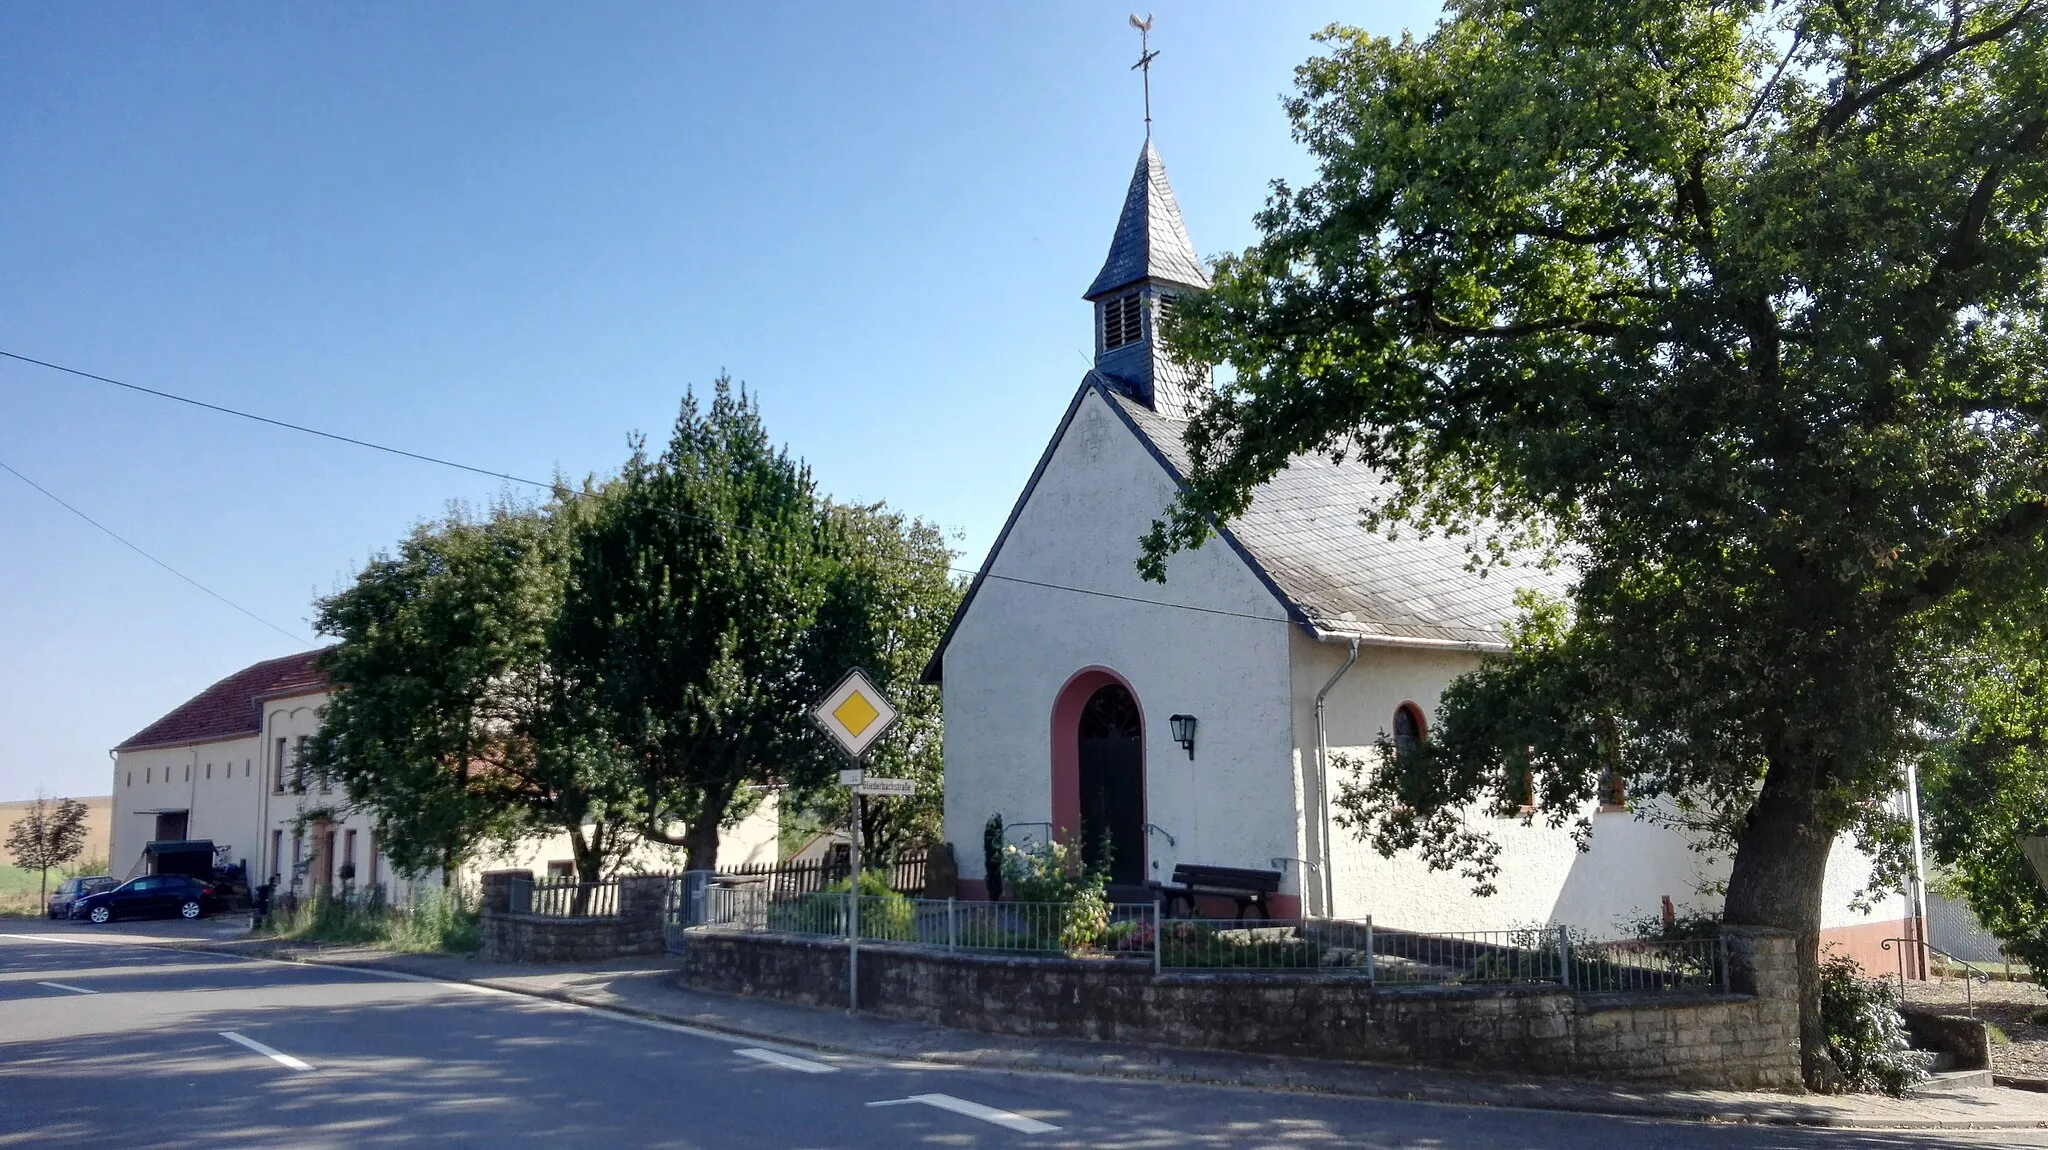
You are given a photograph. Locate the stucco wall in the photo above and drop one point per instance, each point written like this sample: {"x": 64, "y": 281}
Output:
{"x": 754, "y": 839}
{"x": 1633, "y": 864}
{"x": 1018, "y": 644}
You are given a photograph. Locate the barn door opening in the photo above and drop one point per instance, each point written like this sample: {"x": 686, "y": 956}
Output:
{"x": 1111, "y": 773}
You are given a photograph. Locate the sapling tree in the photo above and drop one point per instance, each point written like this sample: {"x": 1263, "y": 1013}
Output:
{"x": 47, "y": 834}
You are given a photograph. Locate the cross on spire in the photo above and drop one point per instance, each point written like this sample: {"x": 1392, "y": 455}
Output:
{"x": 1145, "y": 57}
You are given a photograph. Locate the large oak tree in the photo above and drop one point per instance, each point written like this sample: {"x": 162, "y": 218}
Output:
{"x": 1738, "y": 307}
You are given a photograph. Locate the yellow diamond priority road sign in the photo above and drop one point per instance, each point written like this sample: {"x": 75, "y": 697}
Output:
{"x": 855, "y": 714}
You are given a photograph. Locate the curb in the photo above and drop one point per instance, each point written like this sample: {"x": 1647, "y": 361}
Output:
{"x": 1542, "y": 1096}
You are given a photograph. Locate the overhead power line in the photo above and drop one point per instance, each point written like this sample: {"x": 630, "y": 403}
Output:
{"x": 571, "y": 494}
{"x": 118, "y": 538}
{"x": 288, "y": 426}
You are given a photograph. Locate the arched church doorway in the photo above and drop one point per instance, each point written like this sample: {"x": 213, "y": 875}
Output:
{"x": 1111, "y": 773}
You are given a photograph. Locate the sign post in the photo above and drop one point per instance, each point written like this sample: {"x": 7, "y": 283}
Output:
{"x": 855, "y": 714}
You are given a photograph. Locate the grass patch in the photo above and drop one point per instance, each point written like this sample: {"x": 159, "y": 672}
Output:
{"x": 21, "y": 891}
{"x": 438, "y": 920}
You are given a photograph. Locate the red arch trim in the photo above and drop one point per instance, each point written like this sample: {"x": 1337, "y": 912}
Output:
{"x": 1066, "y": 742}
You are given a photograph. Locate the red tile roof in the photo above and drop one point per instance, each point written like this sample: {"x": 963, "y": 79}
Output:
{"x": 233, "y": 706}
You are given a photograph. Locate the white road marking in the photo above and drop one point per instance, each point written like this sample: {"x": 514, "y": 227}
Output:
{"x": 67, "y": 986}
{"x": 1003, "y": 1118}
{"x": 277, "y": 1056}
{"x": 786, "y": 1061}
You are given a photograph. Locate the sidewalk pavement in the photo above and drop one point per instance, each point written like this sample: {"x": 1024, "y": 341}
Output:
{"x": 650, "y": 988}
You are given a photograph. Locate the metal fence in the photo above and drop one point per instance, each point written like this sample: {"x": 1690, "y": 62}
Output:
{"x": 1324, "y": 947}
{"x": 566, "y": 898}
{"x": 949, "y": 924}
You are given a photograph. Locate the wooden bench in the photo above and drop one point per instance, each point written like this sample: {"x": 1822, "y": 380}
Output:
{"x": 1248, "y": 888}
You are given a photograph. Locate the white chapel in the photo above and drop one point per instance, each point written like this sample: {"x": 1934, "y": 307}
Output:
{"x": 1293, "y": 639}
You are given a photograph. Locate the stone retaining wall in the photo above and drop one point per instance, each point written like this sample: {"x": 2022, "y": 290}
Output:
{"x": 511, "y": 935}
{"x": 1745, "y": 1041}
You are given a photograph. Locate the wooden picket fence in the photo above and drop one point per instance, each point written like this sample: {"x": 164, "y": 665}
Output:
{"x": 792, "y": 879}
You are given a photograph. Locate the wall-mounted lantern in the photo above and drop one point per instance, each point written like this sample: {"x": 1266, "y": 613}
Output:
{"x": 1184, "y": 732}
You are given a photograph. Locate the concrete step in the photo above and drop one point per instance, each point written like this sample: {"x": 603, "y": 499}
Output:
{"x": 1944, "y": 1080}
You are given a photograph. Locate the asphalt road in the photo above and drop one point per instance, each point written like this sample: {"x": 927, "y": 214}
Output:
{"x": 107, "y": 1041}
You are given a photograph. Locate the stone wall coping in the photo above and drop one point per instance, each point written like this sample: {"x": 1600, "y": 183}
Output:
{"x": 1597, "y": 1001}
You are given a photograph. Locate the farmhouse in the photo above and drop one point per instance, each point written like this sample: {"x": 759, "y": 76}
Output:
{"x": 224, "y": 765}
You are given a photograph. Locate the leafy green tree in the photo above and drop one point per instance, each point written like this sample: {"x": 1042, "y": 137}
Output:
{"x": 47, "y": 835}
{"x": 449, "y": 721}
{"x": 887, "y": 602}
{"x": 691, "y": 592}
{"x": 1739, "y": 307}
{"x": 1984, "y": 790}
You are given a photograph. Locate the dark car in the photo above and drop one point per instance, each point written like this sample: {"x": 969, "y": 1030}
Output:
{"x": 72, "y": 889}
{"x": 151, "y": 896}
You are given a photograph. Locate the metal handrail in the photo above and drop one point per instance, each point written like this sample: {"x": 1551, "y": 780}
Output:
{"x": 1971, "y": 973}
{"x": 1008, "y": 827}
{"x": 1150, "y": 827}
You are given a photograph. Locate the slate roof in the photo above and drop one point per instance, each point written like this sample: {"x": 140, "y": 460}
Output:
{"x": 1151, "y": 242}
{"x": 233, "y": 706}
{"x": 1302, "y": 534}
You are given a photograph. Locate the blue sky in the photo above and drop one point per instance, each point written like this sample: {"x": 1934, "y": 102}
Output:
{"x": 511, "y": 234}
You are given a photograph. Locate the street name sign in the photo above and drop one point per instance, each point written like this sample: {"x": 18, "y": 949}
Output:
{"x": 901, "y": 788}
{"x": 855, "y": 714}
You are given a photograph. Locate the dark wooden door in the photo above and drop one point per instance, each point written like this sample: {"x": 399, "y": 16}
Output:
{"x": 1112, "y": 778}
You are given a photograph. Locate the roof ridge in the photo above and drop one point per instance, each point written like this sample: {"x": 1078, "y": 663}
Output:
{"x": 231, "y": 706}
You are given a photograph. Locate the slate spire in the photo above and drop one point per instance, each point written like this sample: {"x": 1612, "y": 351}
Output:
{"x": 1150, "y": 260}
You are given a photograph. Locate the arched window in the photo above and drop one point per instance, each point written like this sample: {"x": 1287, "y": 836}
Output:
{"x": 1111, "y": 713}
{"x": 1409, "y": 730}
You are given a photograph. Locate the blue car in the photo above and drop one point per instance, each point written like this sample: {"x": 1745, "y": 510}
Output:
{"x": 151, "y": 896}
{"x": 72, "y": 889}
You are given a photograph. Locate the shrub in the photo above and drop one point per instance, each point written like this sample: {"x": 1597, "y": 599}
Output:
{"x": 438, "y": 920}
{"x": 1866, "y": 1036}
{"x": 884, "y": 912}
{"x": 1053, "y": 872}
{"x": 992, "y": 856}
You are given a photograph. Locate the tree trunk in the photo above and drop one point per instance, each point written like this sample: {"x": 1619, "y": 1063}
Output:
{"x": 589, "y": 852}
{"x": 1776, "y": 881}
{"x": 700, "y": 841}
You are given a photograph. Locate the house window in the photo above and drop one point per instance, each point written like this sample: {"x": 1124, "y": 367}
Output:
{"x": 562, "y": 868}
{"x": 348, "y": 853}
{"x": 148, "y": 775}
{"x": 298, "y": 850}
{"x": 276, "y": 853}
{"x": 209, "y": 770}
{"x": 245, "y": 767}
{"x": 325, "y": 782}
{"x": 188, "y": 773}
{"x": 1123, "y": 321}
{"x": 299, "y": 766}
{"x": 1409, "y": 729}
{"x": 375, "y": 876}
{"x": 131, "y": 778}
{"x": 278, "y": 784}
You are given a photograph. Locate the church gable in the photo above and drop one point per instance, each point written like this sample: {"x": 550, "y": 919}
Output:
{"x": 1074, "y": 531}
